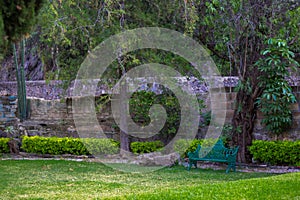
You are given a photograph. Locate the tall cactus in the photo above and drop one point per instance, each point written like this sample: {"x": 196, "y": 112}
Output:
{"x": 23, "y": 84}
{"x": 22, "y": 102}
{"x": 16, "y": 20}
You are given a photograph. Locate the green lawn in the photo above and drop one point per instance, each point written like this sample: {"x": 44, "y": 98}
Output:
{"x": 41, "y": 179}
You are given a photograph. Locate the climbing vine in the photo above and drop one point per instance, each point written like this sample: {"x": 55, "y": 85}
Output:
{"x": 277, "y": 95}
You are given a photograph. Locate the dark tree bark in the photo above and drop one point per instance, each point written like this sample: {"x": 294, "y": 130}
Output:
{"x": 247, "y": 45}
{"x": 124, "y": 139}
{"x": 243, "y": 121}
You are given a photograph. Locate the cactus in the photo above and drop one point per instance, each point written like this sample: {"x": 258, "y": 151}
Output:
{"x": 22, "y": 102}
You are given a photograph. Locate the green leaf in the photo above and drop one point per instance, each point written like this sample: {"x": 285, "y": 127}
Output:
{"x": 270, "y": 41}
{"x": 266, "y": 52}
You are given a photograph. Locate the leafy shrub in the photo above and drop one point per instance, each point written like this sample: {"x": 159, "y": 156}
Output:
{"x": 141, "y": 102}
{"x": 3, "y": 145}
{"x": 184, "y": 146}
{"x": 75, "y": 146}
{"x": 146, "y": 147}
{"x": 101, "y": 146}
{"x": 276, "y": 152}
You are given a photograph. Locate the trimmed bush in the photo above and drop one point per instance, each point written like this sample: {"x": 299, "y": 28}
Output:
{"x": 146, "y": 147}
{"x": 276, "y": 152}
{"x": 101, "y": 146}
{"x": 183, "y": 146}
{"x": 75, "y": 146}
{"x": 3, "y": 145}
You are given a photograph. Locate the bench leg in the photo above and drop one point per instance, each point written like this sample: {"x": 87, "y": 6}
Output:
{"x": 228, "y": 169}
{"x": 189, "y": 166}
{"x": 195, "y": 164}
{"x": 231, "y": 166}
{"x": 191, "y": 163}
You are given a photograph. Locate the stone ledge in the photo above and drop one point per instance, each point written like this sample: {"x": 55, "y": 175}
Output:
{"x": 50, "y": 90}
{"x": 53, "y": 89}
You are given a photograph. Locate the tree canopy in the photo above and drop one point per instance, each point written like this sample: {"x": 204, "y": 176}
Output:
{"x": 17, "y": 19}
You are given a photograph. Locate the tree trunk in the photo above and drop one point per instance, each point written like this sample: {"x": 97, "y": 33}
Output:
{"x": 244, "y": 120}
{"x": 124, "y": 139}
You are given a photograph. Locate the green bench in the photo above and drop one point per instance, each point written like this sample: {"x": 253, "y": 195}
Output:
{"x": 217, "y": 153}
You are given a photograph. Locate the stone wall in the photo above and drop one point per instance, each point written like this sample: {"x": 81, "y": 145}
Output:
{"x": 55, "y": 118}
{"x": 260, "y": 131}
{"x": 8, "y": 110}
{"x": 51, "y": 115}
{"x": 37, "y": 89}
{"x": 56, "y": 115}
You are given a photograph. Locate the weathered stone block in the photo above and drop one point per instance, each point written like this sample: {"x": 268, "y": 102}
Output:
{"x": 219, "y": 96}
{"x": 295, "y": 107}
{"x": 218, "y": 105}
{"x": 296, "y": 115}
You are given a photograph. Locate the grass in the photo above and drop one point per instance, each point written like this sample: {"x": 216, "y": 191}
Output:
{"x": 59, "y": 179}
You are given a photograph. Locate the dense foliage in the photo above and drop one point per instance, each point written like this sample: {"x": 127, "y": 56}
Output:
{"x": 70, "y": 29}
{"x": 17, "y": 19}
{"x": 141, "y": 102}
{"x": 145, "y": 147}
{"x": 4, "y": 145}
{"x": 276, "y": 152}
{"x": 277, "y": 95}
{"x": 75, "y": 146}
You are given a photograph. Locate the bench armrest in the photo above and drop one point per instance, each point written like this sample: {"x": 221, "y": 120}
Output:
{"x": 232, "y": 153}
{"x": 194, "y": 154}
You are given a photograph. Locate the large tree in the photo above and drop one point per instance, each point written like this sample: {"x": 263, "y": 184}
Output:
{"x": 236, "y": 32}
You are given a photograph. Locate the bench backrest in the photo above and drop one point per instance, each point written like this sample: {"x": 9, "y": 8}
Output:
{"x": 217, "y": 152}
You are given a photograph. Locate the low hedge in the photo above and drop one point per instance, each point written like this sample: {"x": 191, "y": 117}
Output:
{"x": 4, "y": 145}
{"x": 75, "y": 146}
{"x": 101, "y": 146}
{"x": 183, "y": 146}
{"x": 276, "y": 152}
{"x": 146, "y": 147}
